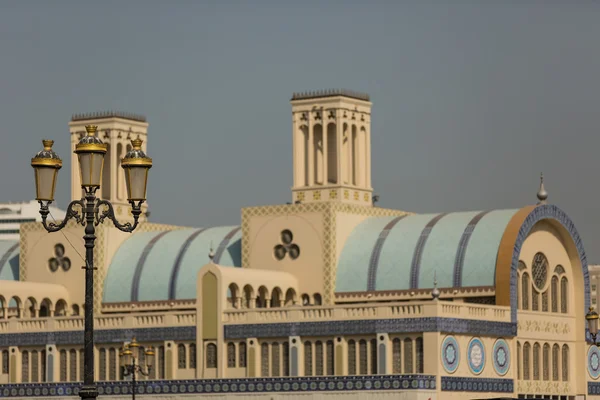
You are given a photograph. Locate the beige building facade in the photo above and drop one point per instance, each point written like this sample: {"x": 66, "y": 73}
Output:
{"x": 327, "y": 296}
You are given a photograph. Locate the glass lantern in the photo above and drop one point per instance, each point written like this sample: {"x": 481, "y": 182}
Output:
{"x": 46, "y": 164}
{"x": 136, "y": 165}
{"x": 91, "y": 151}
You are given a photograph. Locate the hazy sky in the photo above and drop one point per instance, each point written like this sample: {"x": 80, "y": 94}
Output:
{"x": 471, "y": 99}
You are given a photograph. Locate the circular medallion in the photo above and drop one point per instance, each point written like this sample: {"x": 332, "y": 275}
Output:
{"x": 501, "y": 356}
{"x": 450, "y": 354}
{"x": 476, "y": 355}
{"x": 594, "y": 362}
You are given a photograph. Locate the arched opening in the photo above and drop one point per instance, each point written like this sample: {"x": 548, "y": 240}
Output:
{"x": 318, "y": 153}
{"x": 304, "y": 147}
{"x": 290, "y": 297}
{"x": 61, "y": 308}
{"x": 45, "y": 308}
{"x": 354, "y": 154}
{"x": 276, "y": 297}
{"x": 364, "y": 157}
{"x": 305, "y": 300}
{"x": 345, "y": 154}
{"x": 317, "y": 300}
{"x": 263, "y": 297}
{"x": 30, "y": 307}
{"x": 233, "y": 293}
{"x": 3, "y": 308}
{"x": 75, "y": 310}
{"x": 331, "y": 154}
{"x": 14, "y": 307}
{"x": 248, "y": 296}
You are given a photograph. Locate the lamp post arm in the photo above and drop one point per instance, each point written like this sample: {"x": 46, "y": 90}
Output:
{"x": 109, "y": 212}
{"x": 70, "y": 214}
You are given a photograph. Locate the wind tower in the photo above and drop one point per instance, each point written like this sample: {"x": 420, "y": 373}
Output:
{"x": 332, "y": 147}
{"x": 116, "y": 129}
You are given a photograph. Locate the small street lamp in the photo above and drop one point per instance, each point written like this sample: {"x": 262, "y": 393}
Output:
{"x": 592, "y": 322}
{"x": 90, "y": 212}
{"x": 130, "y": 355}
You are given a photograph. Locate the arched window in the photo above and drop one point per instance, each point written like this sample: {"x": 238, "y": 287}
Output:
{"x": 43, "y": 366}
{"x": 351, "y": 357}
{"x": 242, "y": 355}
{"x": 211, "y": 356}
{"x": 317, "y": 299}
{"x": 563, "y": 295}
{"x": 112, "y": 364}
{"x": 25, "y": 366}
{"x": 545, "y": 301}
{"x": 275, "y": 360}
{"x": 546, "y": 362}
{"x": 419, "y": 351}
{"x": 73, "y": 365}
{"x": 373, "y": 356}
{"x": 230, "y": 355}
{"x": 193, "y": 355}
{"x": 102, "y": 365}
{"x": 285, "y": 358}
{"x": 408, "y": 356}
{"x": 555, "y": 356}
{"x": 318, "y": 358}
{"x": 34, "y": 367}
{"x": 554, "y": 293}
{"x": 307, "y": 358}
{"x": 330, "y": 358}
{"x": 535, "y": 299}
{"x": 264, "y": 359}
{"x": 525, "y": 291}
{"x": 5, "y": 368}
{"x": 161, "y": 361}
{"x": 81, "y": 364}
{"x": 536, "y": 362}
{"x": 519, "y": 360}
{"x": 526, "y": 361}
{"x": 362, "y": 357}
{"x": 396, "y": 356}
{"x": 63, "y": 365}
{"x": 181, "y": 362}
{"x": 565, "y": 363}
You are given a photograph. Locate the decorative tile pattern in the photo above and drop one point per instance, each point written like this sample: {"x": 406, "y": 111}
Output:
{"x": 594, "y": 388}
{"x": 100, "y": 336}
{"x": 371, "y": 326}
{"x": 462, "y": 248}
{"x": 242, "y": 385}
{"x": 541, "y": 212}
{"x": 501, "y": 357}
{"x": 476, "y": 356}
{"x": 593, "y": 357}
{"x": 416, "y": 261}
{"x": 459, "y": 384}
{"x": 450, "y": 354}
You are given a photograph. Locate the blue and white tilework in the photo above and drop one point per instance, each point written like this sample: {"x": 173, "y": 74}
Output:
{"x": 450, "y": 354}
{"x": 476, "y": 356}
{"x": 459, "y": 384}
{"x": 243, "y": 385}
{"x": 501, "y": 357}
{"x": 593, "y": 363}
{"x": 594, "y": 388}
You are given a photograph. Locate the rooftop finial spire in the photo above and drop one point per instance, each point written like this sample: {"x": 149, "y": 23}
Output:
{"x": 542, "y": 195}
{"x": 211, "y": 254}
{"x": 435, "y": 293}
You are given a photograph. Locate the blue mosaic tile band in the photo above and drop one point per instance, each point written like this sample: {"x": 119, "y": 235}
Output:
{"x": 242, "y": 385}
{"x": 415, "y": 266}
{"x": 372, "y": 326}
{"x": 594, "y": 388}
{"x": 100, "y": 336}
{"x": 459, "y": 384}
{"x": 542, "y": 212}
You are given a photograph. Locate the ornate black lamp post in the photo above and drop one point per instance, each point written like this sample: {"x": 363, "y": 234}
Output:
{"x": 90, "y": 212}
{"x": 592, "y": 321}
{"x": 130, "y": 356}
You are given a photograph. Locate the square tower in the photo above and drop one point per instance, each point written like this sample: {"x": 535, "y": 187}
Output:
{"x": 116, "y": 129}
{"x": 332, "y": 147}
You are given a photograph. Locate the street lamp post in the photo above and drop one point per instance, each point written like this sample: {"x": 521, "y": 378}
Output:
{"x": 130, "y": 356}
{"x": 90, "y": 211}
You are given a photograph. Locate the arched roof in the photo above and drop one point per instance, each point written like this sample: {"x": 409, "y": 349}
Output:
{"x": 9, "y": 260}
{"x": 164, "y": 265}
{"x": 401, "y": 253}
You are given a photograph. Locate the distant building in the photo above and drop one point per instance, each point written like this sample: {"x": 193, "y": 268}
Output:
{"x": 12, "y": 215}
{"x": 325, "y": 297}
